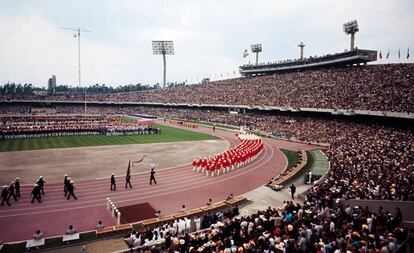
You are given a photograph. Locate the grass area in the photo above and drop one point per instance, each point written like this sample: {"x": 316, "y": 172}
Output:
{"x": 168, "y": 134}
{"x": 311, "y": 161}
{"x": 292, "y": 156}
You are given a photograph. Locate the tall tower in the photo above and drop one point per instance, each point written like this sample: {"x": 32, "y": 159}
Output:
{"x": 301, "y": 45}
{"x": 163, "y": 47}
{"x": 257, "y": 48}
{"x": 351, "y": 28}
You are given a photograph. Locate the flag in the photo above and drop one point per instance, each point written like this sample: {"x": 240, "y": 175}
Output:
{"x": 140, "y": 160}
{"x": 388, "y": 54}
{"x": 399, "y": 55}
{"x": 380, "y": 55}
{"x": 245, "y": 53}
{"x": 129, "y": 168}
{"x": 408, "y": 53}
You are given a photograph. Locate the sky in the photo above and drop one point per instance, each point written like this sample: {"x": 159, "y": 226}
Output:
{"x": 209, "y": 36}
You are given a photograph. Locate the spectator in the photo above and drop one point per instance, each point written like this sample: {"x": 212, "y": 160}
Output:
{"x": 38, "y": 235}
{"x": 71, "y": 230}
{"x": 100, "y": 225}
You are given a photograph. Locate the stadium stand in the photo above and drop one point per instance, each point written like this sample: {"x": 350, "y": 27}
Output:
{"x": 357, "y": 56}
{"x": 292, "y": 228}
{"x": 373, "y": 87}
{"x": 368, "y": 160}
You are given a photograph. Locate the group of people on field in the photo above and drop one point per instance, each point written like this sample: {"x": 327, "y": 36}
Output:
{"x": 13, "y": 190}
{"x": 243, "y": 153}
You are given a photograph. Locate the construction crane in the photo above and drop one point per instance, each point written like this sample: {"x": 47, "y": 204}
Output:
{"x": 78, "y": 35}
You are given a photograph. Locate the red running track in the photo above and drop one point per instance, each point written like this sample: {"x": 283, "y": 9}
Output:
{"x": 176, "y": 186}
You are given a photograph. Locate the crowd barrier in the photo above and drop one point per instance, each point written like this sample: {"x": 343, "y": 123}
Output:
{"x": 144, "y": 225}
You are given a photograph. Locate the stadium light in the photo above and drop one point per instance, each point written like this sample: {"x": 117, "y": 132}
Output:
{"x": 351, "y": 28}
{"x": 257, "y": 48}
{"x": 163, "y": 47}
{"x": 77, "y": 34}
{"x": 301, "y": 45}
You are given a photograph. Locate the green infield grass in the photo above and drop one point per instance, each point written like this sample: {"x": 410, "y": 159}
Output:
{"x": 292, "y": 157}
{"x": 168, "y": 134}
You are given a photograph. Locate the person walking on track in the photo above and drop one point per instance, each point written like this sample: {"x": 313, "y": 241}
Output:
{"x": 152, "y": 178}
{"x": 128, "y": 176}
{"x": 36, "y": 193}
{"x": 5, "y": 196}
{"x": 113, "y": 183}
{"x": 41, "y": 184}
{"x": 12, "y": 191}
{"x": 17, "y": 187}
{"x": 71, "y": 189}
{"x": 66, "y": 182}
{"x": 128, "y": 181}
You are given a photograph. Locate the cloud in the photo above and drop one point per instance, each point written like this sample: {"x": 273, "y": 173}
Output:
{"x": 209, "y": 36}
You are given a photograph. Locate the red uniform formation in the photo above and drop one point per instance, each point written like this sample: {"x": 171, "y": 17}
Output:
{"x": 242, "y": 154}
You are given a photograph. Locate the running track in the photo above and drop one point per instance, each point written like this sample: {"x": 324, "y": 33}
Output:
{"x": 176, "y": 186}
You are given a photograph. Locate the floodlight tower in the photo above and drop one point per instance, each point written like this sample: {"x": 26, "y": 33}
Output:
{"x": 301, "y": 45}
{"x": 78, "y": 35}
{"x": 257, "y": 48}
{"x": 164, "y": 47}
{"x": 351, "y": 28}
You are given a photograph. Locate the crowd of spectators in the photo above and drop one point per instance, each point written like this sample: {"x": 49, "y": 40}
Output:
{"x": 372, "y": 87}
{"x": 311, "y": 227}
{"x": 12, "y": 109}
{"x": 368, "y": 161}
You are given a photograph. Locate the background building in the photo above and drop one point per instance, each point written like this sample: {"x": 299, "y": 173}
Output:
{"x": 51, "y": 84}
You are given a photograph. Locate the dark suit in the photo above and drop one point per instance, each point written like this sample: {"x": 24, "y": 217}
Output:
{"x": 128, "y": 181}
{"x": 36, "y": 194}
{"x": 5, "y": 196}
{"x": 12, "y": 192}
{"x": 17, "y": 188}
{"x": 152, "y": 178}
{"x": 41, "y": 184}
{"x": 65, "y": 185}
{"x": 113, "y": 183}
{"x": 70, "y": 189}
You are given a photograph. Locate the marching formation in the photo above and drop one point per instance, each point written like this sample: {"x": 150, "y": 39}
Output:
{"x": 244, "y": 153}
{"x": 32, "y": 126}
{"x": 13, "y": 190}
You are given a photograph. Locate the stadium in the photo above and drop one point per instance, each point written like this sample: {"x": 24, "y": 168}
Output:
{"x": 309, "y": 154}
